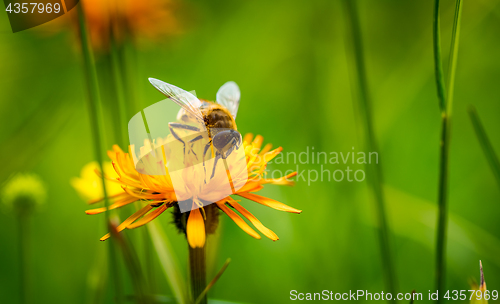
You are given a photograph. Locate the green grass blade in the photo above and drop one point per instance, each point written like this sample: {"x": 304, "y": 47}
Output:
{"x": 117, "y": 73}
{"x": 415, "y": 219}
{"x": 96, "y": 124}
{"x": 438, "y": 61}
{"x": 131, "y": 261}
{"x": 455, "y": 34}
{"x": 168, "y": 260}
{"x": 373, "y": 173}
{"x": 446, "y": 115}
{"x": 212, "y": 283}
{"x": 485, "y": 143}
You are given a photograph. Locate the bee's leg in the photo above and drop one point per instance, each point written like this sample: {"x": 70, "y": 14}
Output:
{"x": 217, "y": 156}
{"x": 207, "y": 146}
{"x": 192, "y": 141}
{"x": 176, "y": 125}
{"x": 173, "y": 125}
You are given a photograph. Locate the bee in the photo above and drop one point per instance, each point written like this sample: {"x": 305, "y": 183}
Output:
{"x": 218, "y": 118}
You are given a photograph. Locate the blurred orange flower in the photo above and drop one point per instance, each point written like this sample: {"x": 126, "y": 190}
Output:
{"x": 152, "y": 19}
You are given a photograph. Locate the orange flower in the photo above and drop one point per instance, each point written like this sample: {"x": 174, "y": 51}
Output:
{"x": 137, "y": 19}
{"x": 157, "y": 193}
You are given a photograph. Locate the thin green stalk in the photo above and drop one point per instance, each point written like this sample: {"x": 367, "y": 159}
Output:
{"x": 148, "y": 261}
{"x": 438, "y": 66}
{"x": 23, "y": 258}
{"x": 94, "y": 103}
{"x": 123, "y": 96}
{"x": 168, "y": 261}
{"x": 197, "y": 268}
{"x": 128, "y": 62}
{"x": 442, "y": 206}
{"x": 446, "y": 115}
{"x": 119, "y": 89}
{"x": 212, "y": 283}
{"x": 455, "y": 35}
{"x": 485, "y": 143}
{"x": 132, "y": 263}
{"x": 123, "y": 89}
{"x": 374, "y": 174}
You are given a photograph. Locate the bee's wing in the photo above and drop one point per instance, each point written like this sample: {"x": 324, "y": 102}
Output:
{"x": 186, "y": 100}
{"x": 229, "y": 96}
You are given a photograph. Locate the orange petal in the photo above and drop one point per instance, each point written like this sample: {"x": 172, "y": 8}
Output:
{"x": 251, "y": 186}
{"x": 111, "y": 179}
{"x": 285, "y": 180}
{"x": 148, "y": 181}
{"x": 112, "y": 155}
{"x": 258, "y": 140}
{"x": 196, "y": 229}
{"x": 96, "y": 211}
{"x": 117, "y": 149}
{"x": 266, "y": 231}
{"x": 129, "y": 220}
{"x": 266, "y": 149}
{"x": 269, "y": 202}
{"x": 144, "y": 194}
{"x": 117, "y": 204}
{"x": 238, "y": 220}
{"x": 148, "y": 217}
{"x": 272, "y": 154}
{"x": 248, "y": 138}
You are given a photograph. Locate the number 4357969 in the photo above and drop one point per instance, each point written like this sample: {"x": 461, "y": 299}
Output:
{"x": 33, "y": 8}
{"x": 474, "y": 294}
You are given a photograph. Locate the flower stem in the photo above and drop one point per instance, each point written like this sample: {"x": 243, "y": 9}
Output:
{"x": 446, "y": 103}
{"x": 197, "y": 267}
{"x": 96, "y": 127}
{"x": 23, "y": 258}
{"x": 119, "y": 89}
{"x": 169, "y": 262}
{"x": 438, "y": 61}
{"x": 374, "y": 174}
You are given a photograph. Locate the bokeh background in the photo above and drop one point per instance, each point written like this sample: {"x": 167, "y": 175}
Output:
{"x": 289, "y": 59}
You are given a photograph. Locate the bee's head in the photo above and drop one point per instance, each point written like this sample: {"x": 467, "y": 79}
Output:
{"x": 226, "y": 141}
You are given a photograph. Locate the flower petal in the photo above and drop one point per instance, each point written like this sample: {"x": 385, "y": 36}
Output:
{"x": 272, "y": 154}
{"x": 269, "y": 202}
{"x": 257, "y": 142}
{"x": 266, "y": 149}
{"x": 148, "y": 217}
{"x": 145, "y": 194}
{"x": 266, "y": 231}
{"x": 284, "y": 180}
{"x": 237, "y": 219}
{"x": 129, "y": 220}
{"x": 196, "y": 229}
{"x": 248, "y": 138}
{"x": 251, "y": 186}
{"x": 119, "y": 203}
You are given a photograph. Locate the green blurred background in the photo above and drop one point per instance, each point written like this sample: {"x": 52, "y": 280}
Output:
{"x": 289, "y": 59}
